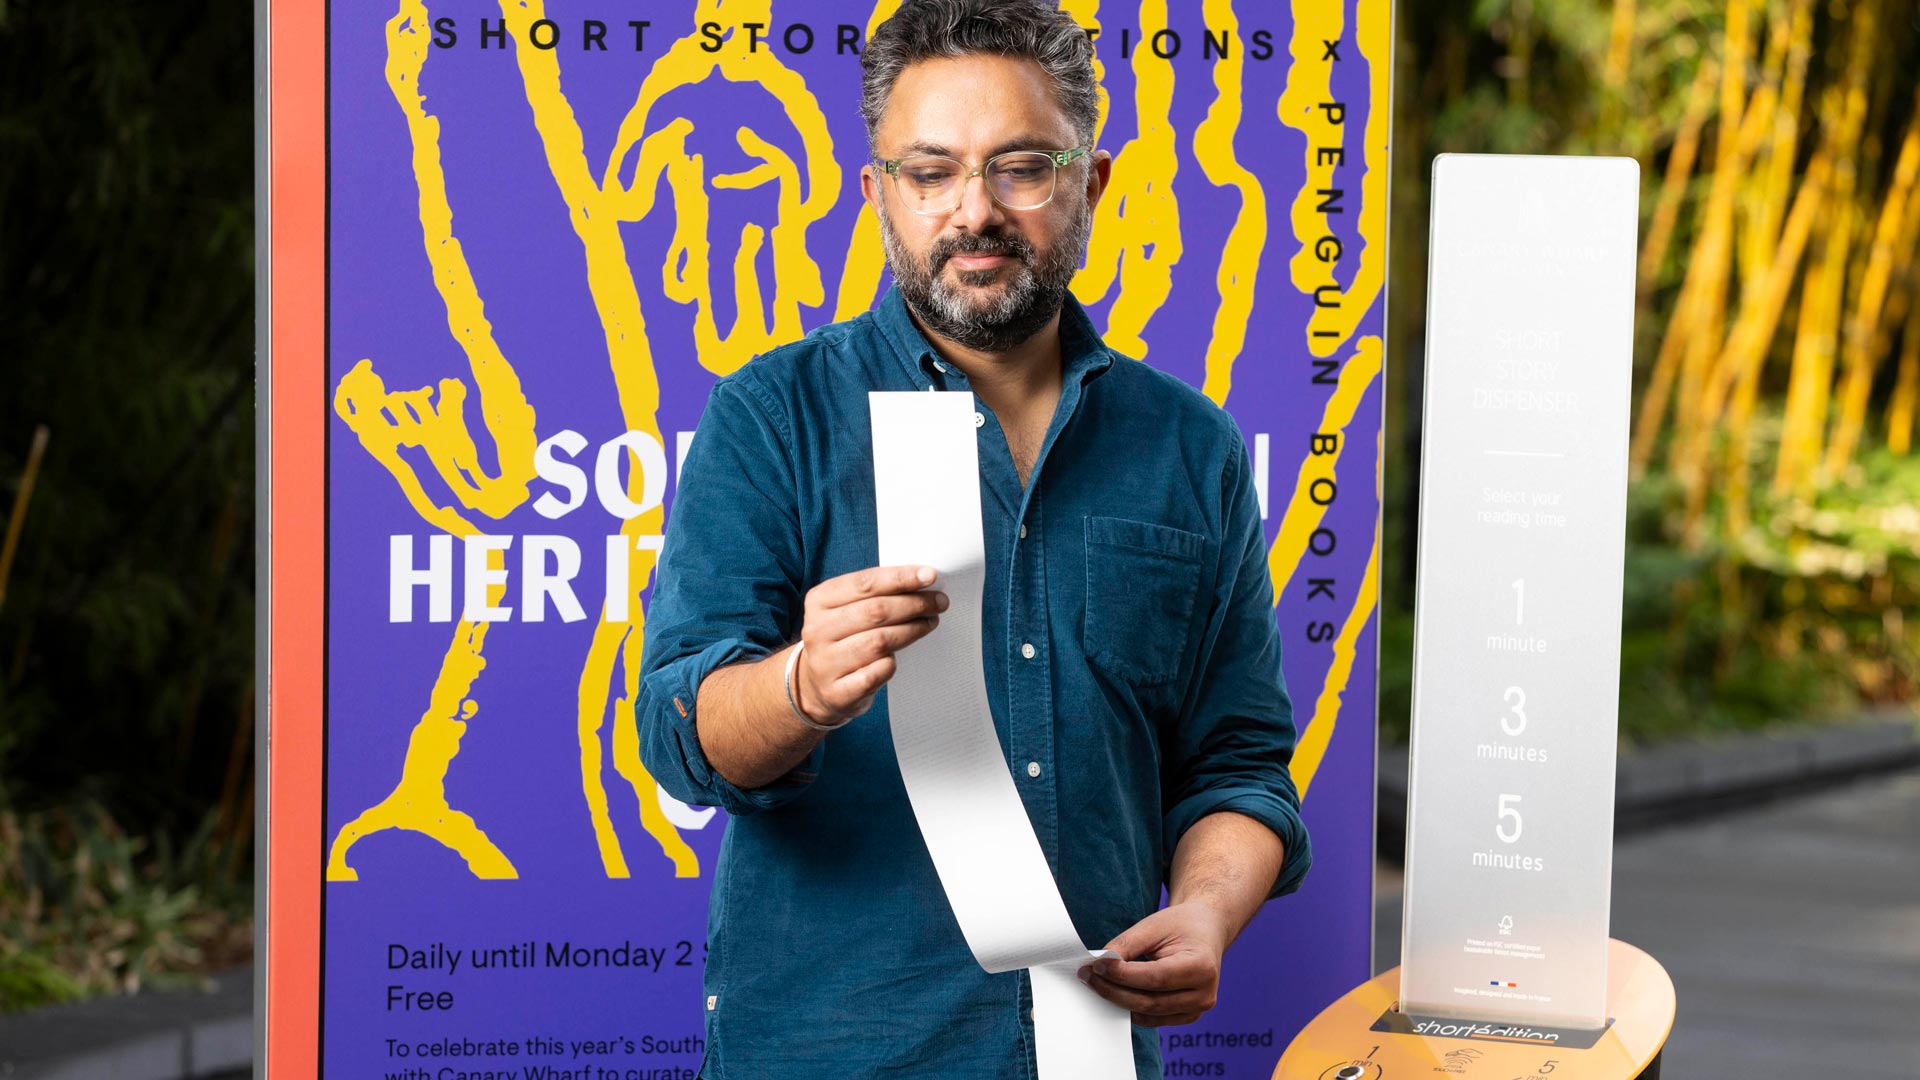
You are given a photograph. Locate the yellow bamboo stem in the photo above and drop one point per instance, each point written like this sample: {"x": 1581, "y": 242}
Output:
{"x": 1903, "y": 308}
{"x": 1823, "y": 468}
{"x": 1752, "y": 338}
{"x": 1760, "y": 222}
{"x": 1760, "y": 313}
{"x": 1864, "y": 325}
{"x": 1666, "y": 366}
{"x": 1686, "y": 145}
{"x": 1812, "y": 351}
{"x": 1847, "y": 265}
{"x": 1906, "y": 387}
{"x": 1841, "y": 114}
{"x": 1694, "y": 422}
{"x": 35, "y": 452}
{"x": 1733, "y": 81}
{"x": 1753, "y": 133}
{"x": 1778, "y": 176}
{"x": 1619, "y": 45}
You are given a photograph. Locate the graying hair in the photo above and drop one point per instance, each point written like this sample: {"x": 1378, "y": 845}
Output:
{"x": 1034, "y": 29}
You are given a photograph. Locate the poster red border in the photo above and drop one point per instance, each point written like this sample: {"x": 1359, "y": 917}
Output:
{"x": 293, "y": 461}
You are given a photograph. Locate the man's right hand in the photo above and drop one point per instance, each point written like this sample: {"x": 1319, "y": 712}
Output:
{"x": 853, "y": 625}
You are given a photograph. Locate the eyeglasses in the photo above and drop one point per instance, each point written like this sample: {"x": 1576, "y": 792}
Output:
{"x": 1017, "y": 180}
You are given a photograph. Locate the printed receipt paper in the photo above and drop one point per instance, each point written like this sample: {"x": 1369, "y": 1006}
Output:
{"x": 926, "y": 469}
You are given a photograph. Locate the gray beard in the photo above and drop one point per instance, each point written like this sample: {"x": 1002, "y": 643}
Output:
{"x": 1030, "y": 298}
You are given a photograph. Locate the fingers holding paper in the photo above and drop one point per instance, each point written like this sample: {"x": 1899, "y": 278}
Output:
{"x": 854, "y": 624}
{"x": 1170, "y": 973}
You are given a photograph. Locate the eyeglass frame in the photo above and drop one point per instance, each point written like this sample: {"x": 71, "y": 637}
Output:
{"x": 1060, "y": 159}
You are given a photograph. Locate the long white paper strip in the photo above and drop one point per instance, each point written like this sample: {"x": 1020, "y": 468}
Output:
{"x": 926, "y": 468}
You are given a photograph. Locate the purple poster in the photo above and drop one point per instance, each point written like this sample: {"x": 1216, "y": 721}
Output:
{"x": 551, "y": 228}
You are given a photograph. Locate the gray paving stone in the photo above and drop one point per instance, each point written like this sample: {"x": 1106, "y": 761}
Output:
{"x": 221, "y": 1045}
{"x": 153, "y": 1056}
{"x": 152, "y": 1036}
{"x": 1791, "y": 931}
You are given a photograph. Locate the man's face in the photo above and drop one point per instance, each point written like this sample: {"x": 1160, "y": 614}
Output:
{"x": 982, "y": 275}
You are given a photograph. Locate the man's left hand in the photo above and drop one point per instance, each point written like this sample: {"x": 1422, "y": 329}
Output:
{"x": 1169, "y": 971}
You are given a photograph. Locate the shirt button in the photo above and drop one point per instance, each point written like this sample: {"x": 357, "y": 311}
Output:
{"x": 1033, "y": 769}
{"x": 1023, "y": 532}
{"x": 1026, "y": 650}
{"x": 979, "y": 420}
{"x": 712, "y": 1001}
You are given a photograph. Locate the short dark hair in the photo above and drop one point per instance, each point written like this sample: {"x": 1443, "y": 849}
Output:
{"x": 1034, "y": 29}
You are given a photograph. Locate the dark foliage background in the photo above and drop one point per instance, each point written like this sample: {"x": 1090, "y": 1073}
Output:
{"x": 126, "y": 629}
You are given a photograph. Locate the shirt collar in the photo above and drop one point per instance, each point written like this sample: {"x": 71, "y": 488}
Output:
{"x": 1084, "y": 356}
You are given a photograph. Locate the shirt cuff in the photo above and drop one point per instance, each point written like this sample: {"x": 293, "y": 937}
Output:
{"x": 1261, "y": 805}
{"x": 670, "y": 740}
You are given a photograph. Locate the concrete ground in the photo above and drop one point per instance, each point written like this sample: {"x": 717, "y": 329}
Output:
{"x": 1792, "y": 932}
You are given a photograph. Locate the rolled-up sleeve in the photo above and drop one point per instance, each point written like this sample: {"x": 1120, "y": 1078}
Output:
{"x": 727, "y": 590}
{"x": 1235, "y": 737}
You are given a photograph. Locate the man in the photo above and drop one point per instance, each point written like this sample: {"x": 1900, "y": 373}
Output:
{"x": 1131, "y": 654}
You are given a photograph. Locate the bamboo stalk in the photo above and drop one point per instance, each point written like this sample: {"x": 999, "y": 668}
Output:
{"x": 1731, "y": 147}
{"x": 1901, "y": 311}
{"x": 1733, "y": 81}
{"x": 1906, "y": 387}
{"x": 1752, "y": 339}
{"x": 1693, "y": 336}
{"x": 1778, "y": 174}
{"x": 1864, "y": 325}
{"x": 1666, "y": 367}
{"x": 1842, "y": 112}
{"x": 1619, "y": 46}
{"x": 1680, "y": 161}
{"x": 1758, "y": 231}
{"x": 21, "y": 497}
{"x": 1747, "y": 344}
{"x": 1795, "y": 420}
{"x": 1854, "y": 91}
{"x": 1695, "y": 414}
{"x": 1800, "y": 432}
{"x": 1520, "y": 51}
{"x": 1753, "y": 135}
{"x": 1673, "y": 185}
{"x": 1847, "y": 266}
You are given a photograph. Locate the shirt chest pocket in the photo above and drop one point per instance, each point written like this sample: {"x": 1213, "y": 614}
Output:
{"x": 1142, "y": 583}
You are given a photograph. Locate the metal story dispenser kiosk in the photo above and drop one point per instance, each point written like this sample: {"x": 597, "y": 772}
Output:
{"x": 1508, "y": 969}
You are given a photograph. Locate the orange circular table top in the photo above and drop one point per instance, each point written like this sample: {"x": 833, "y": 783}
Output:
{"x": 1355, "y": 1038}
